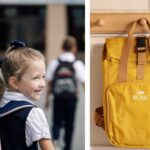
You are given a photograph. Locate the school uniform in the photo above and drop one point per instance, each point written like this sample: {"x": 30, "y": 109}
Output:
{"x": 22, "y": 124}
{"x": 64, "y": 108}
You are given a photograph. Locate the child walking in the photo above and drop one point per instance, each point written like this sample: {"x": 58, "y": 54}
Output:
{"x": 22, "y": 124}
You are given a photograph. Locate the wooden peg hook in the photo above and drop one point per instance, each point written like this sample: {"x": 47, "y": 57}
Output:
{"x": 143, "y": 21}
{"x": 100, "y": 22}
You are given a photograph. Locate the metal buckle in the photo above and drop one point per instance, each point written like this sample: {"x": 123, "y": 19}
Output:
{"x": 140, "y": 44}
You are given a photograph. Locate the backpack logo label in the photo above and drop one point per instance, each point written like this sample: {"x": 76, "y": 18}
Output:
{"x": 140, "y": 96}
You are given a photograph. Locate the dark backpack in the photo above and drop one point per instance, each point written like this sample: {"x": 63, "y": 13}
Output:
{"x": 13, "y": 118}
{"x": 64, "y": 84}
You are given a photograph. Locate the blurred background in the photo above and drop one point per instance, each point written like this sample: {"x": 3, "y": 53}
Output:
{"x": 44, "y": 25}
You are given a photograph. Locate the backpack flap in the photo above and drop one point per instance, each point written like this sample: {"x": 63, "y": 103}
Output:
{"x": 113, "y": 51}
{"x": 115, "y": 45}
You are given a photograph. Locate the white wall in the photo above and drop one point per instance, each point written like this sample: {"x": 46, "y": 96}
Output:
{"x": 97, "y": 135}
{"x": 119, "y": 5}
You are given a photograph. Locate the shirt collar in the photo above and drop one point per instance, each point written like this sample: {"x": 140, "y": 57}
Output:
{"x": 67, "y": 56}
{"x": 15, "y": 96}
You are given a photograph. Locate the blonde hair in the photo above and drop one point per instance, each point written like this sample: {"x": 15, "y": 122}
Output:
{"x": 16, "y": 61}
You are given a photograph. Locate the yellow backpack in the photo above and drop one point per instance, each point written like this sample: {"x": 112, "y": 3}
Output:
{"x": 125, "y": 115}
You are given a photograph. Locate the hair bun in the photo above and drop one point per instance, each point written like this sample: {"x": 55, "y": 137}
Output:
{"x": 17, "y": 43}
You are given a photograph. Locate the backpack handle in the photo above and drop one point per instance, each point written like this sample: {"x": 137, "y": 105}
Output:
{"x": 142, "y": 22}
{"x": 122, "y": 72}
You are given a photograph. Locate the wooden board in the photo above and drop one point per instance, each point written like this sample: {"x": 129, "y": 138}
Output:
{"x": 115, "y": 22}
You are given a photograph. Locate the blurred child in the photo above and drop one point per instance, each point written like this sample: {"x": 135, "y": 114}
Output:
{"x": 22, "y": 124}
{"x": 62, "y": 76}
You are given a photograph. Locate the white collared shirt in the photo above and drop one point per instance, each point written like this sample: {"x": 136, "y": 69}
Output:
{"x": 66, "y": 56}
{"x": 36, "y": 124}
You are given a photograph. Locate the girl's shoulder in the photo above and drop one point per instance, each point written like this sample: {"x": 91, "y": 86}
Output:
{"x": 36, "y": 121}
{"x": 36, "y": 113}
{"x": 36, "y": 125}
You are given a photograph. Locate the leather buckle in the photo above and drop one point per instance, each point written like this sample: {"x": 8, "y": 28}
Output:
{"x": 140, "y": 44}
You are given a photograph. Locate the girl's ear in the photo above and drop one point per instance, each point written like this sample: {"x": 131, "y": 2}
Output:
{"x": 13, "y": 82}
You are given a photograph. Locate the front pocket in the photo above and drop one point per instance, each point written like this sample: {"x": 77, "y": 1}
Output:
{"x": 128, "y": 114}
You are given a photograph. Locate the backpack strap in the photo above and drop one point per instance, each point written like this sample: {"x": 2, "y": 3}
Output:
{"x": 99, "y": 117}
{"x": 122, "y": 72}
{"x": 14, "y": 106}
{"x": 59, "y": 60}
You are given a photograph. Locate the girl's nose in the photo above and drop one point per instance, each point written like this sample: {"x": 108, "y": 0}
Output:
{"x": 42, "y": 83}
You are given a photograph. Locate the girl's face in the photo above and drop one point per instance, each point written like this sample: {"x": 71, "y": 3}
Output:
{"x": 33, "y": 80}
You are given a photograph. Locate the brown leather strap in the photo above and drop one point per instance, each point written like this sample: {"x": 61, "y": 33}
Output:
{"x": 99, "y": 117}
{"x": 140, "y": 65}
{"x": 137, "y": 22}
{"x": 147, "y": 25}
{"x": 142, "y": 56}
{"x": 122, "y": 70}
{"x": 148, "y": 44}
{"x": 132, "y": 29}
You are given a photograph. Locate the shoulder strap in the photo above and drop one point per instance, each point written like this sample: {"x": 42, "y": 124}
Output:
{"x": 14, "y": 106}
{"x": 60, "y": 61}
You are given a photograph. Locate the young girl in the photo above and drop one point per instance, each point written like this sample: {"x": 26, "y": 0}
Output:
{"x": 22, "y": 124}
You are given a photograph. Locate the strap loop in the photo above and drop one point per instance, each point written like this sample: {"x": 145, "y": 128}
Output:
{"x": 99, "y": 117}
{"x": 122, "y": 71}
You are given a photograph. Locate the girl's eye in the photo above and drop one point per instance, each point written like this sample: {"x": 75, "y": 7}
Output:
{"x": 36, "y": 78}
